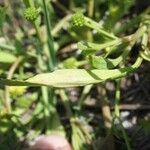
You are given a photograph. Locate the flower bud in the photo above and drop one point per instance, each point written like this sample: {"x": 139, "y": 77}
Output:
{"x": 31, "y": 14}
{"x": 78, "y": 20}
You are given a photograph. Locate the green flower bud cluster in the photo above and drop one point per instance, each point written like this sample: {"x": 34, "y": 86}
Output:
{"x": 31, "y": 14}
{"x": 78, "y": 20}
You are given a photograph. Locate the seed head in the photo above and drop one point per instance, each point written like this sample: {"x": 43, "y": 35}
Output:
{"x": 78, "y": 20}
{"x": 31, "y": 13}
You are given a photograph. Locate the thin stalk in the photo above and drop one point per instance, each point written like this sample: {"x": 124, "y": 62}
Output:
{"x": 126, "y": 139}
{"x": 47, "y": 94}
{"x": 9, "y": 76}
{"x": 96, "y": 26}
{"x": 117, "y": 99}
{"x": 124, "y": 135}
{"x": 97, "y": 47}
{"x": 51, "y": 65}
{"x": 52, "y": 57}
{"x": 137, "y": 62}
{"x": 38, "y": 32}
{"x": 46, "y": 105}
{"x": 106, "y": 112}
{"x": 65, "y": 103}
{"x": 140, "y": 32}
{"x": 90, "y": 8}
{"x": 90, "y": 15}
{"x": 105, "y": 108}
{"x": 83, "y": 96}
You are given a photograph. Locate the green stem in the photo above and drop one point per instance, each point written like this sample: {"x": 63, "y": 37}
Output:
{"x": 9, "y": 76}
{"x": 126, "y": 139}
{"x": 97, "y": 47}
{"x": 46, "y": 105}
{"x": 83, "y": 96}
{"x": 125, "y": 136}
{"x": 66, "y": 103}
{"x": 90, "y": 8}
{"x": 94, "y": 25}
{"x": 137, "y": 62}
{"x": 117, "y": 99}
{"x": 37, "y": 28}
{"x": 138, "y": 33}
{"x": 47, "y": 94}
{"x": 52, "y": 57}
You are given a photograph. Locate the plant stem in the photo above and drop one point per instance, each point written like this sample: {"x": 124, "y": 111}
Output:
{"x": 46, "y": 105}
{"x": 137, "y": 62}
{"x": 94, "y": 25}
{"x": 38, "y": 32}
{"x": 105, "y": 108}
{"x": 117, "y": 99}
{"x": 109, "y": 142}
{"x": 9, "y": 76}
{"x": 52, "y": 57}
{"x": 47, "y": 94}
{"x": 124, "y": 135}
{"x": 90, "y": 8}
{"x": 66, "y": 103}
{"x": 83, "y": 96}
{"x": 97, "y": 47}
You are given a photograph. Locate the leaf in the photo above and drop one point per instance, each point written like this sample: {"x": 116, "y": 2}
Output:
{"x": 6, "y": 58}
{"x": 70, "y": 77}
{"x": 98, "y": 62}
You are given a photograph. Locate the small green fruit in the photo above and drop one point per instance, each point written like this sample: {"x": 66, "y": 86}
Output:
{"x": 31, "y": 14}
{"x": 78, "y": 20}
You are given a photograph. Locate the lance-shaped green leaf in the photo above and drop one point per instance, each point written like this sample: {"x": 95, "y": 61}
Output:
{"x": 99, "y": 62}
{"x": 71, "y": 77}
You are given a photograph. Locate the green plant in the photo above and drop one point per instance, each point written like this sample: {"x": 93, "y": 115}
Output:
{"x": 105, "y": 53}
